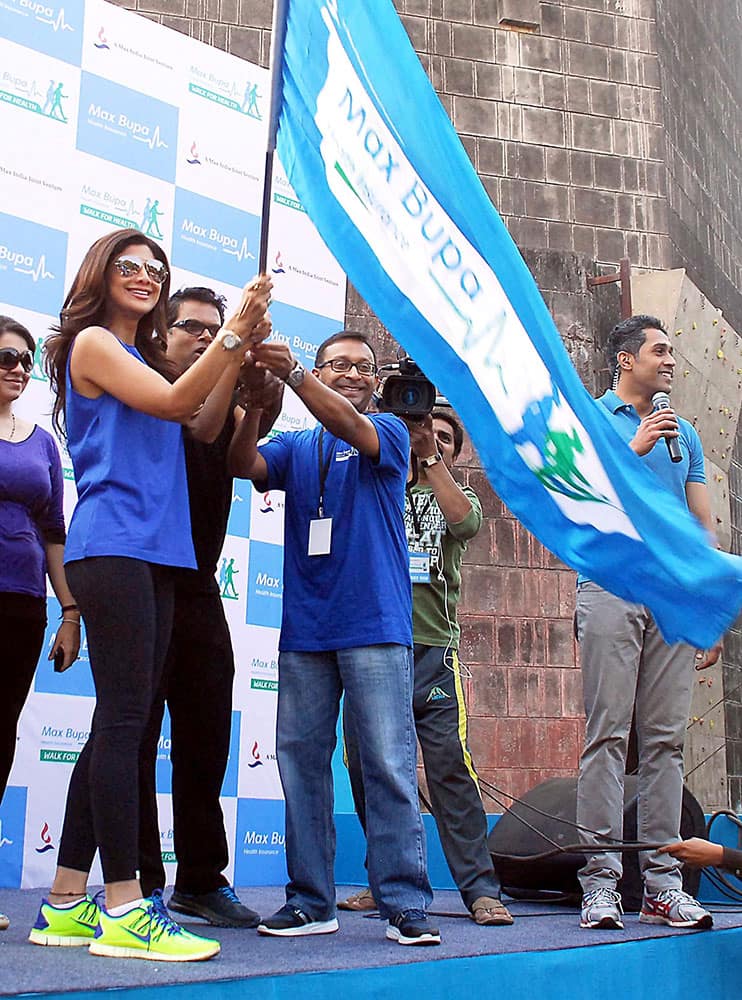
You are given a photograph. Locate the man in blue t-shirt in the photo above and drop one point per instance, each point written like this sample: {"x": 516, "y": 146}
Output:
{"x": 627, "y": 667}
{"x": 347, "y": 627}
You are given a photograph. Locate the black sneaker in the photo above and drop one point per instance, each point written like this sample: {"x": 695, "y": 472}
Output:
{"x": 290, "y": 921}
{"x": 222, "y": 907}
{"x": 412, "y": 927}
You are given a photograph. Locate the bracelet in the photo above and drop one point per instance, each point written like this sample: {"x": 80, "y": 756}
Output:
{"x": 71, "y": 621}
{"x": 69, "y": 607}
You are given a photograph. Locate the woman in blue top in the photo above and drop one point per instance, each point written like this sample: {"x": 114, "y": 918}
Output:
{"x": 31, "y": 543}
{"x": 130, "y": 527}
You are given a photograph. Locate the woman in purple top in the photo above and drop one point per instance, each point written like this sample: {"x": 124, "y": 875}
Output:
{"x": 129, "y": 530}
{"x": 31, "y": 543}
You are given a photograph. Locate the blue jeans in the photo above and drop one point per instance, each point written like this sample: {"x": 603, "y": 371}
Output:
{"x": 377, "y": 681}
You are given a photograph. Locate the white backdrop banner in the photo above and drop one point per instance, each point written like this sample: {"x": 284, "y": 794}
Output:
{"x": 111, "y": 120}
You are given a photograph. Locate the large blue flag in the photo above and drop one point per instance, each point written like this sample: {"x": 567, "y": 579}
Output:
{"x": 374, "y": 158}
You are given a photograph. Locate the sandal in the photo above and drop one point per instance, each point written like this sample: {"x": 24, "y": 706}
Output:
{"x": 489, "y": 912}
{"x": 363, "y": 900}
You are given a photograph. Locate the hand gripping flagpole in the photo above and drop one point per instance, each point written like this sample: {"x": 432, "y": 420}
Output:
{"x": 278, "y": 37}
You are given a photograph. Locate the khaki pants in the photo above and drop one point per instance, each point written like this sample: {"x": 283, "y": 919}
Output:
{"x": 627, "y": 667}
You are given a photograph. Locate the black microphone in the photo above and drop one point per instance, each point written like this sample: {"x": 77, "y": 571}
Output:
{"x": 661, "y": 401}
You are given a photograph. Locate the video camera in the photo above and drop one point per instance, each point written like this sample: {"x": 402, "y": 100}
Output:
{"x": 406, "y": 392}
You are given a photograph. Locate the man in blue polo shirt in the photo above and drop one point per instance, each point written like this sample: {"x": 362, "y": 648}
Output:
{"x": 627, "y": 667}
{"x": 347, "y": 627}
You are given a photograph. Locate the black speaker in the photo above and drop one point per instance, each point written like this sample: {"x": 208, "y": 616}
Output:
{"x": 556, "y": 877}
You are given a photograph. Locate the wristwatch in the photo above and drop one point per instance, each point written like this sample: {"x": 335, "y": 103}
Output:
{"x": 296, "y": 376}
{"x": 433, "y": 460}
{"x": 229, "y": 340}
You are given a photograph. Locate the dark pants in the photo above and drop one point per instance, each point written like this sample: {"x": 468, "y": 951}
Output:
{"x": 440, "y": 721}
{"x": 127, "y": 605}
{"x": 22, "y": 639}
{"x": 197, "y": 685}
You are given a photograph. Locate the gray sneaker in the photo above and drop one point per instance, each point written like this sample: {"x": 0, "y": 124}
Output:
{"x": 676, "y": 909}
{"x": 602, "y": 908}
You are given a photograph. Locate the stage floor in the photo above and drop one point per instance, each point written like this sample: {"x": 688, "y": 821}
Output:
{"x": 255, "y": 961}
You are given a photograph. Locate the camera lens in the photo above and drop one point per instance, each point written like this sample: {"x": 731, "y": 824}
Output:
{"x": 410, "y": 396}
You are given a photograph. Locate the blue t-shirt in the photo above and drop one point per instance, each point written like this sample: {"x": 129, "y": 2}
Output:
{"x": 360, "y": 594}
{"x": 673, "y": 475}
{"x": 131, "y": 482}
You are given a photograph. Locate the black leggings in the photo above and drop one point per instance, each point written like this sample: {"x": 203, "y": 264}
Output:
{"x": 127, "y": 605}
{"x": 22, "y": 642}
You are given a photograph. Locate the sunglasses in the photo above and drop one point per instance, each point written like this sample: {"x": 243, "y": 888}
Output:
{"x": 10, "y": 356}
{"x": 195, "y": 327}
{"x": 127, "y": 266}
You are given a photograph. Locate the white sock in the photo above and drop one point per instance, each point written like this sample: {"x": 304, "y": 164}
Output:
{"x": 69, "y": 906}
{"x": 119, "y": 911}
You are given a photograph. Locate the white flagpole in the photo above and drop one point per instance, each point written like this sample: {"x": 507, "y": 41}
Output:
{"x": 278, "y": 36}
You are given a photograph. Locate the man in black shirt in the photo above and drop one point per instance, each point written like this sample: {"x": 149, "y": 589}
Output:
{"x": 199, "y": 670}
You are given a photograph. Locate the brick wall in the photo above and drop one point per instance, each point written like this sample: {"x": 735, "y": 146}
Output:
{"x": 700, "y": 49}
{"x": 564, "y": 125}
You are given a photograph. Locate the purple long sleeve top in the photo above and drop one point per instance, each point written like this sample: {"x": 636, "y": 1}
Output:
{"x": 31, "y": 514}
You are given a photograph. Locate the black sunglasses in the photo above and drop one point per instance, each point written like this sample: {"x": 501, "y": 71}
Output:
{"x": 195, "y": 327}
{"x": 128, "y": 265}
{"x": 10, "y": 356}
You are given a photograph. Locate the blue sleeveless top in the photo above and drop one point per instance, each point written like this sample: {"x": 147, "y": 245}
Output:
{"x": 131, "y": 482}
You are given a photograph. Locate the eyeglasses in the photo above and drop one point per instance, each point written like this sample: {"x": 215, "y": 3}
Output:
{"x": 196, "y": 328}
{"x": 10, "y": 356}
{"x": 127, "y": 266}
{"x": 342, "y": 366}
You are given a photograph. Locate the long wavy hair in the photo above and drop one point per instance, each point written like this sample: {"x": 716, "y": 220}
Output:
{"x": 87, "y": 305}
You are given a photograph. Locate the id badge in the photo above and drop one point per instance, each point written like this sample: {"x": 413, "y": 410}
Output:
{"x": 320, "y": 536}
{"x": 419, "y": 567}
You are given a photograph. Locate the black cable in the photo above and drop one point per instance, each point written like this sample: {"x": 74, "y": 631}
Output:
{"x": 457, "y": 914}
{"x": 557, "y": 819}
{"x": 623, "y": 847}
{"x": 424, "y": 801}
{"x": 719, "y": 883}
{"x": 721, "y": 746}
{"x": 718, "y": 878}
{"x": 521, "y": 819}
{"x": 726, "y": 696}
{"x": 694, "y": 722}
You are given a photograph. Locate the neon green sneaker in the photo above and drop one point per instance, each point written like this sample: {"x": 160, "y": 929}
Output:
{"x": 149, "y": 931}
{"x": 68, "y": 926}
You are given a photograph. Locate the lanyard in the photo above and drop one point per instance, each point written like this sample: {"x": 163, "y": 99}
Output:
{"x": 323, "y": 468}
